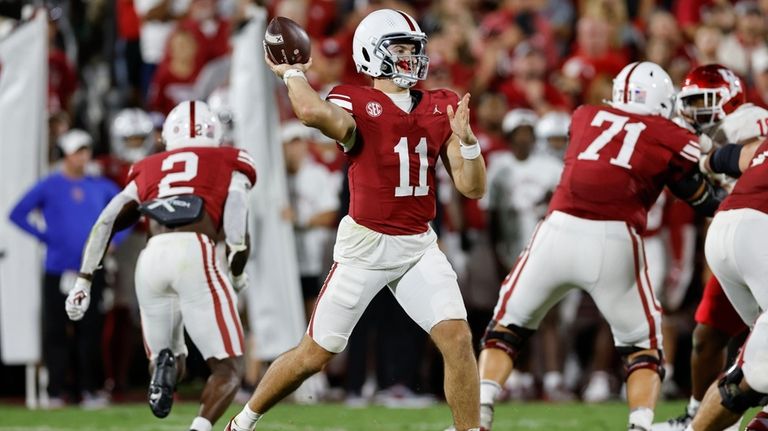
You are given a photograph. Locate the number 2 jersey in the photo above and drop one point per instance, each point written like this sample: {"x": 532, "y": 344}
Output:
{"x": 202, "y": 171}
{"x": 392, "y": 163}
{"x": 617, "y": 163}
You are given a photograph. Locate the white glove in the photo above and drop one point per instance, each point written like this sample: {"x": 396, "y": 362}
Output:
{"x": 78, "y": 299}
{"x": 706, "y": 144}
{"x": 240, "y": 282}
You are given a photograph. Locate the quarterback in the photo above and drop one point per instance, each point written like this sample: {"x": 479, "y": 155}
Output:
{"x": 392, "y": 136}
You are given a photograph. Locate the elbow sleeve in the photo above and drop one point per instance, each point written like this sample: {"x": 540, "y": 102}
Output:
{"x": 699, "y": 193}
{"x": 236, "y": 212}
{"x": 726, "y": 160}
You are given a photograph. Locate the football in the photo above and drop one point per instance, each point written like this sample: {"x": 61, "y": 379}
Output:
{"x": 286, "y": 42}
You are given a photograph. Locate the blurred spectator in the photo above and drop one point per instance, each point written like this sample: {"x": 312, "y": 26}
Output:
{"x": 62, "y": 75}
{"x": 314, "y": 203}
{"x": 738, "y": 50}
{"x": 705, "y": 44}
{"x": 128, "y": 61}
{"x": 70, "y": 202}
{"x": 175, "y": 77}
{"x": 158, "y": 18}
{"x": 593, "y": 62}
{"x": 665, "y": 45}
{"x": 529, "y": 87}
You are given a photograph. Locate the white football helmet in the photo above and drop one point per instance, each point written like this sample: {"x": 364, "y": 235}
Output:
{"x": 219, "y": 103}
{"x": 553, "y": 125}
{"x": 191, "y": 124}
{"x": 644, "y": 88}
{"x": 131, "y": 123}
{"x": 373, "y": 37}
{"x": 518, "y": 118}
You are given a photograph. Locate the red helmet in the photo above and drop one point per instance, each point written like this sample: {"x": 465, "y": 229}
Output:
{"x": 710, "y": 93}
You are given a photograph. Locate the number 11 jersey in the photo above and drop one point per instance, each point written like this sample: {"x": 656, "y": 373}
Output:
{"x": 392, "y": 163}
{"x": 617, "y": 163}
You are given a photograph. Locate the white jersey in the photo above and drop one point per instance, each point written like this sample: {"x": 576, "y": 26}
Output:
{"x": 312, "y": 191}
{"x": 522, "y": 185}
{"x": 745, "y": 123}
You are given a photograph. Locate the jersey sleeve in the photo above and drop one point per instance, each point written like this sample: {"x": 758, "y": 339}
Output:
{"x": 341, "y": 96}
{"x": 246, "y": 165}
{"x": 686, "y": 148}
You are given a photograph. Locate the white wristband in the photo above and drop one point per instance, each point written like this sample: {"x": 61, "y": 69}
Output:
{"x": 292, "y": 73}
{"x": 469, "y": 152}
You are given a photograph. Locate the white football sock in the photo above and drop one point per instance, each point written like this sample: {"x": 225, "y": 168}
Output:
{"x": 247, "y": 418}
{"x": 642, "y": 417}
{"x": 693, "y": 406}
{"x": 201, "y": 424}
{"x": 552, "y": 380}
{"x": 489, "y": 391}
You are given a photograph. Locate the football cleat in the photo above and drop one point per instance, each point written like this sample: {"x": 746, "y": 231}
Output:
{"x": 486, "y": 417}
{"x": 677, "y": 424}
{"x": 163, "y": 384}
{"x": 758, "y": 423}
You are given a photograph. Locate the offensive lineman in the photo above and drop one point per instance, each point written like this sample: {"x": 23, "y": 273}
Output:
{"x": 618, "y": 160}
{"x": 192, "y": 193}
{"x": 392, "y": 136}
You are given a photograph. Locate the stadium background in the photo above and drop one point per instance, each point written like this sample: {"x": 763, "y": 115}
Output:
{"x": 540, "y": 55}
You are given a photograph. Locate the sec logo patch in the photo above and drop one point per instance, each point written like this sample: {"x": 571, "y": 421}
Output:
{"x": 373, "y": 109}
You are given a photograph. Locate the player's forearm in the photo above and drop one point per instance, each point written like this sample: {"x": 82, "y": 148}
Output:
{"x": 471, "y": 178}
{"x": 102, "y": 231}
{"x": 315, "y": 112}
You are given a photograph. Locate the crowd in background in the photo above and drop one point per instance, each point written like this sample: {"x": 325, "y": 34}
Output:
{"x": 527, "y": 64}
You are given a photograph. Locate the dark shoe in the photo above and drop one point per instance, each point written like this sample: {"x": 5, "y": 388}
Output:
{"x": 163, "y": 384}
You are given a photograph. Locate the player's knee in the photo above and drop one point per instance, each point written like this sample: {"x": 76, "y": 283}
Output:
{"x": 312, "y": 356}
{"x": 707, "y": 339}
{"x": 737, "y": 393}
{"x": 510, "y": 339}
{"x": 452, "y": 337}
{"x": 638, "y": 358}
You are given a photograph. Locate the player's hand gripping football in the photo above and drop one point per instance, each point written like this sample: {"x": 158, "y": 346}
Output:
{"x": 459, "y": 120}
{"x": 280, "y": 69}
{"x": 78, "y": 299}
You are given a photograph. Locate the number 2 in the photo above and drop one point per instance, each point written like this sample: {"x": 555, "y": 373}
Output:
{"x": 618, "y": 123}
{"x": 190, "y": 171}
{"x": 405, "y": 188}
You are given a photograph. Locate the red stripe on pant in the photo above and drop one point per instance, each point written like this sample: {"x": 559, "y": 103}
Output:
{"x": 521, "y": 261}
{"x": 656, "y": 304}
{"x": 230, "y": 304}
{"x": 216, "y": 302}
{"x": 319, "y": 296}
{"x": 638, "y": 281}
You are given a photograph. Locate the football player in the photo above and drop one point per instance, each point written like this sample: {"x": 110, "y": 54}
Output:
{"x": 192, "y": 193}
{"x": 618, "y": 160}
{"x": 393, "y": 136}
{"x": 713, "y": 101}
{"x": 735, "y": 250}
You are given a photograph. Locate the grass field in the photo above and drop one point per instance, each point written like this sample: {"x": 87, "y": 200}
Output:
{"x": 329, "y": 417}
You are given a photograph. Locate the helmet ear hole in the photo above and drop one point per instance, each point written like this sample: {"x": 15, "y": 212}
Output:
{"x": 366, "y": 56}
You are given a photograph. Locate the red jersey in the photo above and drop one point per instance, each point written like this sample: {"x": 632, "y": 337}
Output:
{"x": 618, "y": 162}
{"x": 751, "y": 191}
{"x": 202, "y": 171}
{"x": 392, "y": 164}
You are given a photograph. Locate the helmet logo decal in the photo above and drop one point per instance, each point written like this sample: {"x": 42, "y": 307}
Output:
{"x": 730, "y": 78}
{"x": 373, "y": 109}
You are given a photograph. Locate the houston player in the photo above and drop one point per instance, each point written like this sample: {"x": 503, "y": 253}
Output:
{"x": 712, "y": 100}
{"x": 192, "y": 193}
{"x": 735, "y": 250}
{"x": 393, "y": 136}
{"x": 618, "y": 160}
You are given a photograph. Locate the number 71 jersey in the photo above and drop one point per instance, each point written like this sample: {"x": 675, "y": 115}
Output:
{"x": 392, "y": 163}
{"x": 617, "y": 163}
{"x": 202, "y": 171}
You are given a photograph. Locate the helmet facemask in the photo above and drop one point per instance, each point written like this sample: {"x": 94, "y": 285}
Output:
{"x": 702, "y": 108}
{"x": 405, "y": 69}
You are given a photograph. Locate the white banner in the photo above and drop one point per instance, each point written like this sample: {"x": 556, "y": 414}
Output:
{"x": 275, "y": 305}
{"x": 23, "y": 138}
